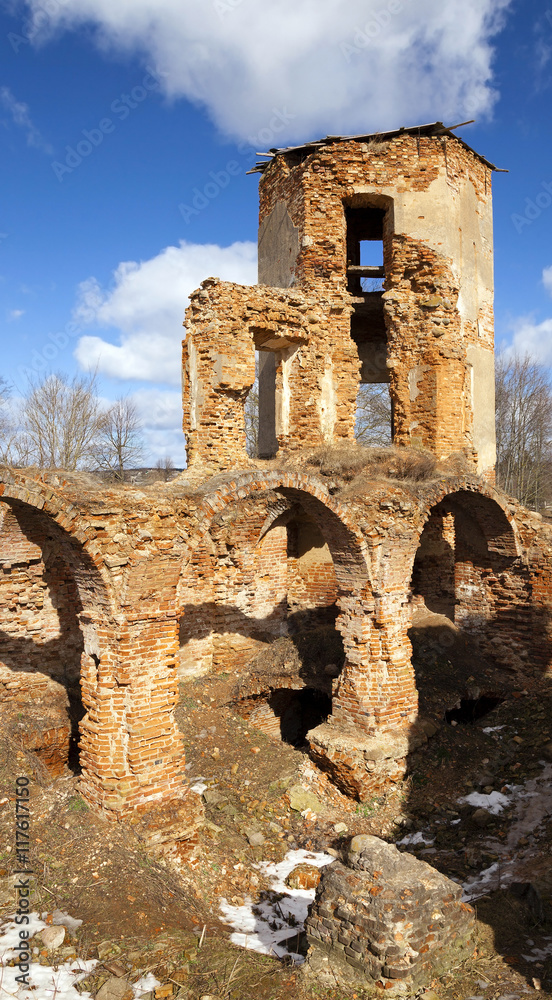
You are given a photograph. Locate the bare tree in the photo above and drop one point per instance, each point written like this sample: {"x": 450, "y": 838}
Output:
{"x": 4, "y": 416}
{"x": 251, "y": 416}
{"x": 59, "y": 424}
{"x": 164, "y": 468}
{"x": 119, "y": 445}
{"x": 373, "y": 415}
{"x": 524, "y": 428}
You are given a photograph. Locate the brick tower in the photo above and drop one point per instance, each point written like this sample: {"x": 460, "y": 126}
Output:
{"x": 375, "y": 266}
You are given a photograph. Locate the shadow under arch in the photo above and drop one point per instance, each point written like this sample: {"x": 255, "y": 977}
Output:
{"x": 56, "y": 601}
{"x": 348, "y": 546}
{"x": 280, "y": 501}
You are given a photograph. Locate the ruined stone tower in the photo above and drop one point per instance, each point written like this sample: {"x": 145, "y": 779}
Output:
{"x": 375, "y": 266}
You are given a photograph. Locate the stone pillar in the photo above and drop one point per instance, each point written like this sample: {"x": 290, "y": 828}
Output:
{"x": 377, "y": 686}
{"x": 131, "y": 750}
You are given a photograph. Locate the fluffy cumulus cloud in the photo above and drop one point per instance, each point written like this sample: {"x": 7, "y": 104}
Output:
{"x": 273, "y": 70}
{"x": 160, "y": 411}
{"x": 144, "y": 308}
{"x": 535, "y": 338}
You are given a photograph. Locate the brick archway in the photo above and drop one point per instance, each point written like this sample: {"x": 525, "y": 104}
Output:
{"x": 130, "y": 748}
{"x": 487, "y": 506}
{"x": 466, "y": 565}
{"x": 271, "y": 495}
{"x": 347, "y": 544}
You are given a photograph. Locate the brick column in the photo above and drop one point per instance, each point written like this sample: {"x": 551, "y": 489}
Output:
{"x": 131, "y": 750}
{"x": 377, "y": 686}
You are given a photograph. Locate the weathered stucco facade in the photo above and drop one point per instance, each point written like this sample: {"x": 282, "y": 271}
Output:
{"x": 109, "y": 597}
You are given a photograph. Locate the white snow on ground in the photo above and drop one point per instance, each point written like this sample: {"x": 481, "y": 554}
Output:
{"x": 533, "y": 804}
{"x": 145, "y": 985}
{"x": 492, "y": 729}
{"x": 539, "y": 954}
{"x": 414, "y": 838}
{"x": 45, "y": 982}
{"x": 265, "y": 925}
{"x": 490, "y": 878}
{"x": 494, "y": 802}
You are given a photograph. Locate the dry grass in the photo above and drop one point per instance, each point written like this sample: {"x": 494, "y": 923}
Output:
{"x": 355, "y": 464}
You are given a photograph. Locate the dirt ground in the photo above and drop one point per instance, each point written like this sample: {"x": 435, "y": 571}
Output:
{"x": 140, "y": 916}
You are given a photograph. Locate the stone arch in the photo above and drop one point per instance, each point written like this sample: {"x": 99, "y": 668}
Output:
{"x": 464, "y": 526}
{"x": 57, "y": 605}
{"x": 346, "y": 543}
{"x": 489, "y": 508}
{"x": 263, "y": 502}
{"x": 131, "y": 751}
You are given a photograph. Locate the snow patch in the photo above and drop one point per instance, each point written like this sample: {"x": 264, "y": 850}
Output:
{"x": 45, "y": 982}
{"x": 494, "y": 802}
{"x": 145, "y": 985}
{"x": 280, "y": 917}
{"x": 414, "y": 838}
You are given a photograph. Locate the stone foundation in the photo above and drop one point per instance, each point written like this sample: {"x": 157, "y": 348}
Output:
{"x": 387, "y": 918}
{"x": 359, "y": 764}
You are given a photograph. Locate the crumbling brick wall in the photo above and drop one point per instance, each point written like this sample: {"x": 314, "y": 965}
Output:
{"x": 204, "y": 573}
{"x": 430, "y": 334}
{"x": 40, "y": 636}
{"x": 387, "y": 918}
{"x": 212, "y": 565}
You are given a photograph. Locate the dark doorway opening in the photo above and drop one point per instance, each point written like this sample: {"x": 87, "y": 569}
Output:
{"x": 298, "y": 712}
{"x": 471, "y": 709}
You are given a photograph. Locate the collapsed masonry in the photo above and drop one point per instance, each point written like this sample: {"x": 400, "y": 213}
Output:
{"x": 388, "y": 918}
{"x": 108, "y": 597}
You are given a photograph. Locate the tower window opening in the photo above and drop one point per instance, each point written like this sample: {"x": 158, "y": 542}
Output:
{"x": 371, "y": 259}
{"x": 365, "y": 268}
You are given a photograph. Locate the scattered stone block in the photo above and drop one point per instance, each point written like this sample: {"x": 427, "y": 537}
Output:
{"x": 52, "y": 937}
{"x": 387, "y": 917}
{"x": 115, "y": 988}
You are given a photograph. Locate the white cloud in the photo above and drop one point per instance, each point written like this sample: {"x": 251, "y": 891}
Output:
{"x": 21, "y": 117}
{"x": 146, "y": 307}
{"x": 15, "y": 314}
{"x": 326, "y": 65}
{"x": 160, "y": 411}
{"x": 534, "y": 339}
{"x": 547, "y": 278}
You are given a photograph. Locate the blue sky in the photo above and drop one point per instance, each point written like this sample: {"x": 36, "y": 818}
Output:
{"x": 127, "y": 127}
